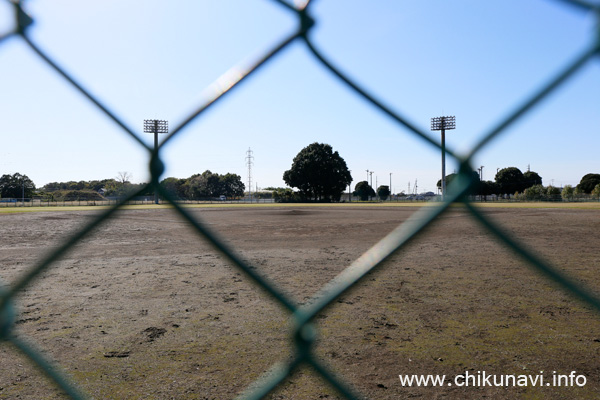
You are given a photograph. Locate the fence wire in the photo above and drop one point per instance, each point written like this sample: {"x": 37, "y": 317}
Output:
{"x": 304, "y": 333}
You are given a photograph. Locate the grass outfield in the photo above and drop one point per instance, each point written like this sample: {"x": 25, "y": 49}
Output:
{"x": 573, "y": 205}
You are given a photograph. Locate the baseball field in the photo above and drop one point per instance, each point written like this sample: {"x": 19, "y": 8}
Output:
{"x": 144, "y": 308}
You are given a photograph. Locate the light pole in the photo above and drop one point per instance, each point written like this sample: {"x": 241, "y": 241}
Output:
{"x": 156, "y": 126}
{"x": 350, "y": 188}
{"x": 371, "y": 173}
{"x": 441, "y": 124}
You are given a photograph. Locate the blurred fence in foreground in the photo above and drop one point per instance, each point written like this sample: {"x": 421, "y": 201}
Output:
{"x": 301, "y": 316}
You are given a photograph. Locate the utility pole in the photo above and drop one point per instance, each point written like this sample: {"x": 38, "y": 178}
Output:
{"x": 391, "y": 186}
{"x": 371, "y": 173}
{"x": 156, "y": 126}
{"x": 441, "y": 124}
{"x": 249, "y": 163}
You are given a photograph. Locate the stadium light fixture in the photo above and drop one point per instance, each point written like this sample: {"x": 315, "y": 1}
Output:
{"x": 156, "y": 126}
{"x": 443, "y": 124}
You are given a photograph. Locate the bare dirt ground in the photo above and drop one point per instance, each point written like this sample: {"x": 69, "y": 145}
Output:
{"x": 145, "y": 309}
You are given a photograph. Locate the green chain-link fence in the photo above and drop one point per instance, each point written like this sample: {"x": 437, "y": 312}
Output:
{"x": 302, "y": 316}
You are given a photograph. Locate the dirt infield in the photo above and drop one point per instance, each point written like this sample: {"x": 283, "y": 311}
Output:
{"x": 145, "y": 309}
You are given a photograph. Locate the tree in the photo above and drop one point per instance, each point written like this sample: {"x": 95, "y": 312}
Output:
{"x": 174, "y": 187}
{"x": 284, "y": 195}
{"x": 319, "y": 173}
{"x": 535, "y": 192}
{"x": 123, "y": 177}
{"x": 196, "y": 186}
{"x": 588, "y": 182}
{"x": 596, "y": 191}
{"x": 383, "y": 192}
{"x": 232, "y": 185}
{"x": 209, "y": 184}
{"x": 363, "y": 191}
{"x": 16, "y": 186}
{"x": 487, "y": 188}
{"x": 451, "y": 177}
{"x": 553, "y": 193}
{"x": 510, "y": 180}
{"x": 531, "y": 178}
{"x": 567, "y": 192}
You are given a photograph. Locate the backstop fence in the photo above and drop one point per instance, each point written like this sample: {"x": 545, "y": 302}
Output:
{"x": 301, "y": 316}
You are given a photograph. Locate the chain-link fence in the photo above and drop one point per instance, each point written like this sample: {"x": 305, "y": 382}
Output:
{"x": 301, "y": 316}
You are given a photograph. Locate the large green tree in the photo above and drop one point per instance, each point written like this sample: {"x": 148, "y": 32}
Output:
{"x": 383, "y": 192}
{"x": 232, "y": 185}
{"x": 588, "y": 182}
{"x": 319, "y": 173}
{"x": 363, "y": 191}
{"x": 451, "y": 177}
{"x": 174, "y": 186}
{"x": 209, "y": 184}
{"x": 487, "y": 188}
{"x": 202, "y": 185}
{"x": 16, "y": 186}
{"x": 510, "y": 180}
{"x": 530, "y": 179}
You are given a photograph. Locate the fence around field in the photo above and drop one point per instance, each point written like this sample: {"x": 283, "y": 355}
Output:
{"x": 20, "y": 203}
{"x": 301, "y": 316}
{"x": 116, "y": 202}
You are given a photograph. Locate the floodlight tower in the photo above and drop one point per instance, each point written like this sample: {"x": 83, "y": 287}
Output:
{"x": 156, "y": 126}
{"x": 441, "y": 124}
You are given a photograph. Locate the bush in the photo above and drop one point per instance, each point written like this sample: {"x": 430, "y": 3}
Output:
{"x": 74, "y": 195}
{"x": 535, "y": 192}
{"x": 567, "y": 193}
{"x": 285, "y": 195}
{"x": 596, "y": 191}
{"x": 553, "y": 193}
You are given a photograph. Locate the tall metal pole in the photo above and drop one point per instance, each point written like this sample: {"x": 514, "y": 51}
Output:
{"x": 156, "y": 126}
{"x": 249, "y": 162}
{"x": 443, "y": 164}
{"x": 371, "y": 173}
{"x": 441, "y": 124}
{"x": 156, "y": 151}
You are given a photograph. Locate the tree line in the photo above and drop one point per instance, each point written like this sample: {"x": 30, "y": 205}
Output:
{"x": 529, "y": 185}
{"x": 204, "y": 185}
{"x": 197, "y": 186}
{"x": 319, "y": 173}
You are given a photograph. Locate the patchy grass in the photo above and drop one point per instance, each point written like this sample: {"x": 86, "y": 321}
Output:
{"x": 539, "y": 205}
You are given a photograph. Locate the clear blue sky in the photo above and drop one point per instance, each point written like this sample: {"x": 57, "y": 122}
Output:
{"x": 477, "y": 60}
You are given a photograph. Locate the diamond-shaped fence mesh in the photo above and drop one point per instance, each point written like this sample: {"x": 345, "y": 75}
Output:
{"x": 301, "y": 316}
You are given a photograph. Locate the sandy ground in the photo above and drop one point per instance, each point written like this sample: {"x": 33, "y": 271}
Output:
{"x": 145, "y": 309}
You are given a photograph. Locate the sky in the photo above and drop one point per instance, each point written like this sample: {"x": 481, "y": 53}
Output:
{"x": 147, "y": 59}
